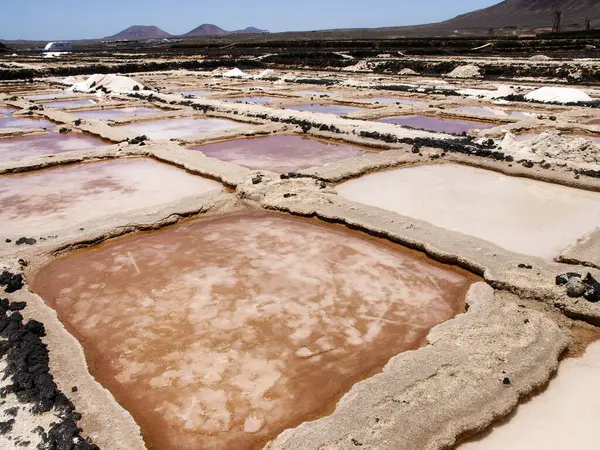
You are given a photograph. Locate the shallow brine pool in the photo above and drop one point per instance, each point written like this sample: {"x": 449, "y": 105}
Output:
{"x": 180, "y": 128}
{"x": 521, "y": 215}
{"x": 435, "y": 124}
{"x": 42, "y": 201}
{"x": 46, "y": 144}
{"x": 279, "y": 153}
{"x": 220, "y": 333}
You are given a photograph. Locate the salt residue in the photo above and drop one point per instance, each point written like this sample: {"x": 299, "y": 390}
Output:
{"x": 468, "y": 71}
{"x": 265, "y": 74}
{"x": 234, "y": 73}
{"x": 407, "y": 71}
{"x": 55, "y": 54}
{"x": 540, "y": 58}
{"x": 502, "y": 91}
{"x": 112, "y": 83}
{"x": 559, "y": 95}
{"x": 362, "y": 66}
{"x": 552, "y": 144}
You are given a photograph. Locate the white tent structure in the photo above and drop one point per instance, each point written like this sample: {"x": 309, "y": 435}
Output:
{"x": 58, "y": 47}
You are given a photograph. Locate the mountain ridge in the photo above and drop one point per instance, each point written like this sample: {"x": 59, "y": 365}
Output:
{"x": 143, "y": 32}
{"x": 528, "y": 13}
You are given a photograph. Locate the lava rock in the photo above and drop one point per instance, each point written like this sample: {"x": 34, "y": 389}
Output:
{"x": 576, "y": 288}
{"x": 25, "y": 241}
{"x": 506, "y": 381}
{"x": 256, "y": 180}
{"x": 6, "y": 427}
{"x": 563, "y": 279}
{"x": 13, "y": 282}
{"x": 17, "y": 306}
{"x": 592, "y": 289}
{"x": 138, "y": 140}
{"x": 525, "y": 266}
{"x": 12, "y": 411}
{"x": 283, "y": 176}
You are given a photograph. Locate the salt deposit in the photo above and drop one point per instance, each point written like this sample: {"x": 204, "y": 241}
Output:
{"x": 407, "y": 71}
{"x": 234, "y": 73}
{"x": 552, "y": 144}
{"x": 467, "y": 71}
{"x": 550, "y": 94}
{"x": 112, "y": 83}
{"x": 540, "y": 58}
{"x": 501, "y": 91}
{"x": 265, "y": 74}
{"x": 362, "y": 66}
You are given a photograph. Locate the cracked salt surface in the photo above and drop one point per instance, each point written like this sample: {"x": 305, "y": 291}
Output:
{"x": 179, "y": 128}
{"x": 46, "y": 144}
{"x": 222, "y": 332}
{"x": 46, "y": 200}
{"x": 279, "y": 153}
{"x": 521, "y": 215}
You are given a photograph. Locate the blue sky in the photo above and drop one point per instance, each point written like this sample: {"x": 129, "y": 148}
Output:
{"x": 83, "y": 19}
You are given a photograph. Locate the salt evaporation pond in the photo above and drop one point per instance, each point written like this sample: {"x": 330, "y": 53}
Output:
{"x": 70, "y": 104}
{"x": 404, "y": 101}
{"x": 339, "y": 110}
{"x": 46, "y": 144}
{"x": 257, "y": 100}
{"x": 179, "y": 128}
{"x": 103, "y": 114}
{"x": 279, "y": 153}
{"x": 194, "y": 93}
{"x": 495, "y": 112}
{"x": 52, "y": 96}
{"x": 315, "y": 93}
{"x": 222, "y": 332}
{"x": 521, "y": 215}
{"x": 22, "y": 123}
{"x": 562, "y": 417}
{"x": 42, "y": 201}
{"x": 451, "y": 126}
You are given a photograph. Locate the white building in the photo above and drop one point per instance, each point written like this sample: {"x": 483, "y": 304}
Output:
{"x": 58, "y": 47}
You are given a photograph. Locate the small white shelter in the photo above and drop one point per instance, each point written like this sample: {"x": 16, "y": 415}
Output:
{"x": 58, "y": 47}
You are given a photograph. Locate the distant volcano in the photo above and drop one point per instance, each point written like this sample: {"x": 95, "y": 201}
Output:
{"x": 213, "y": 30}
{"x": 139, "y": 32}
